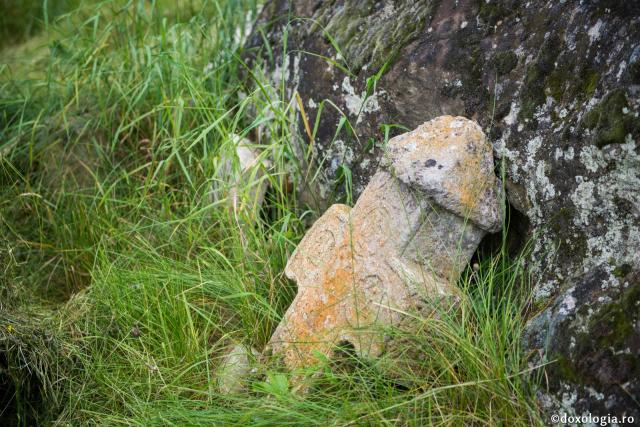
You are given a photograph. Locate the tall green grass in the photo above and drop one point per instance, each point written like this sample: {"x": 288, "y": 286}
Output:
{"x": 23, "y": 19}
{"x": 110, "y": 146}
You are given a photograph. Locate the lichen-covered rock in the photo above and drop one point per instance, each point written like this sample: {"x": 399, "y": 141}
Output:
{"x": 401, "y": 248}
{"x": 593, "y": 332}
{"x": 557, "y": 86}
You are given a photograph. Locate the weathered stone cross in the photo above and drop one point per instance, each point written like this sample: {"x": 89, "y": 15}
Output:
{"x": 404, "y": 243}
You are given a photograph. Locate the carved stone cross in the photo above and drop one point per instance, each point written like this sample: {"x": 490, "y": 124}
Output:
{"x": 404, "y": 243}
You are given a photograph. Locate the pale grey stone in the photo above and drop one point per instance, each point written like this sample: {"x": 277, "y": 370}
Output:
{"x": 235, "y": 368}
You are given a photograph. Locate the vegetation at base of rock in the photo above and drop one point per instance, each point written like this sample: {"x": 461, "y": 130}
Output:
{"x": 123, "y": 283}
{"x": 35, "y": 362}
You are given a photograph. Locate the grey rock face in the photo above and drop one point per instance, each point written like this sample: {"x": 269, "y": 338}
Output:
{"x": 556, "y": 84}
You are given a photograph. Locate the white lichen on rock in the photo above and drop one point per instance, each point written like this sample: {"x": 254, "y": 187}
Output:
{"x": 358, "y": 104}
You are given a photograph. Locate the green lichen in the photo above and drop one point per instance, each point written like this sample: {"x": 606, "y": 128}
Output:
{"x": 492, "y": 12}
{"x": 610, "y": 330}
{"x": 368, "y": 34}
{"x": 610, "y": 120}
{"x": 533, "y": 92}
{"x": 505, "y": 62}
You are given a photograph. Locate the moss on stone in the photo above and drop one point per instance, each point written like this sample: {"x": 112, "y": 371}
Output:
{"x": 366, "y": 34}
{"x": 535, "y": 81}
{"x": 610, "y": 120}
{"x": 532, "y": 94}
{"x": 555, "y": 84}
{"x": 610, "y": 330}
{"x": 562, "y": 219}
{"x": 571, "y": 79}
{"x": 624, "y": 8}
{"x": 614, "y": 324}
{"x": 589, "y": 81}
{"x": 622, "y": 270}
{"x": 467, "y": 59}
{"x": 567, "y": 370}
{"x": 579, "y": 244}
{"x": 505, "y": 62}
{"x": 492, "y": 12}
{"x": 564, "y": 77}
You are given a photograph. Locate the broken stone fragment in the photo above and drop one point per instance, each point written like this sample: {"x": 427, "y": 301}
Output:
{"x": 236, "y": 366}
{"x": 400, "y": 248}
{"x": 241, "y": 178}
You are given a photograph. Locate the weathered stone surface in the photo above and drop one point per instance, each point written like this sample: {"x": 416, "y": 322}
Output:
{"x": 593, "y": 332}
{"x": 235, "y": 369}
{"x": 402, "y": 246}
{"x": 241, "y": 178}
{"x": 556, "y": 84}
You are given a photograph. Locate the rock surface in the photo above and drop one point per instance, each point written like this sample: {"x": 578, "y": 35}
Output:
{"x": 401, "y": 248}
{"x": 557, "y": 86}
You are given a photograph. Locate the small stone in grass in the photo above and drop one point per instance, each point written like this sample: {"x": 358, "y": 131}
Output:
{"x": 235, "y": 368}
{"x": 135, "y": 331}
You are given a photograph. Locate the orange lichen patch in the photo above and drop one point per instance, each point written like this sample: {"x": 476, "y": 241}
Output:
{"x": 324, "y": 313}
{"x": 467, "y": 186}
{"x": 311, "y": 321}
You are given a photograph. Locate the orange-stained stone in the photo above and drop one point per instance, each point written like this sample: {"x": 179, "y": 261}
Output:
{"x": 402, "y": 246}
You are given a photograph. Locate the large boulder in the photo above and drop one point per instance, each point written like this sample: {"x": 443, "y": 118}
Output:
{"x": 555, "y": 85}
